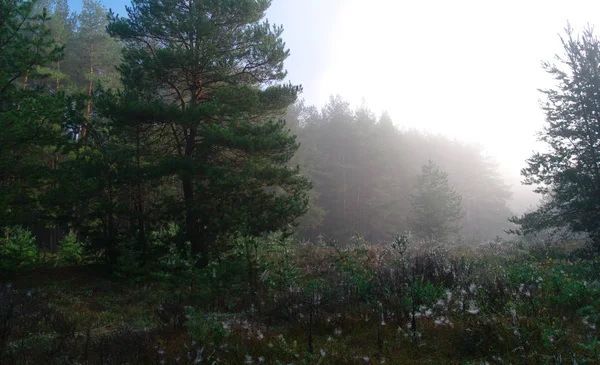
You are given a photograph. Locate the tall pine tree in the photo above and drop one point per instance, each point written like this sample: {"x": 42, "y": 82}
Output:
{"x": 208, "y": 72}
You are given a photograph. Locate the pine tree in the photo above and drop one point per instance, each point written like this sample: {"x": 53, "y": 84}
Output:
{"x": 207, "y": 72}
{"x": 568, "y": 174}
{"x": 436, "y": 207}
{"x": 61, "y": 26}
{"x": 33, "y": 121}
{"x": 92, "y": 55}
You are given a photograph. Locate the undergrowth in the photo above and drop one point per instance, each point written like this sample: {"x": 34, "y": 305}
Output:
{"x": 280, "y": 301}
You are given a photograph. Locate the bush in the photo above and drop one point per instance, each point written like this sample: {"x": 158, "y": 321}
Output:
{"x": 164, "y": 259}
{"x": 209, "y": 329}
{"x": 18, "y": 250}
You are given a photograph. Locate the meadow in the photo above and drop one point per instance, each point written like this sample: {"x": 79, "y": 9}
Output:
{"x": 278, "y": 300}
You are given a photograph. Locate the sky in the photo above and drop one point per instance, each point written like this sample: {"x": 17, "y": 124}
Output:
{"x": 467, "y": 69}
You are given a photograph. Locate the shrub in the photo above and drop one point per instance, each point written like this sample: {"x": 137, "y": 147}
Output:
{"x": 70, "y": 250}
{"x": 18, "y": 250}
{"x": 206, "y": 328}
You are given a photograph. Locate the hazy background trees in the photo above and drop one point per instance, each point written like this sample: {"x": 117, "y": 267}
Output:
{"x": 437, "y": 208}
{"x": 364, "y": 169}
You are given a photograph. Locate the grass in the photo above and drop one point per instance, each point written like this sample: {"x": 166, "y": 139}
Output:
{"x": 496, "y": 303}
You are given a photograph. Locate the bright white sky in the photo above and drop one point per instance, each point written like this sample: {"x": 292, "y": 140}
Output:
{"x": 467, "y": 69}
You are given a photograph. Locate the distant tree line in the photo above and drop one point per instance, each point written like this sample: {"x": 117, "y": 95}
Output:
{"x": 366, "y": 172}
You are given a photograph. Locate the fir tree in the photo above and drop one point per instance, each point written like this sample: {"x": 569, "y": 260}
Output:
{"x": 436, "y": 207}
{"x": 34, "y": 122}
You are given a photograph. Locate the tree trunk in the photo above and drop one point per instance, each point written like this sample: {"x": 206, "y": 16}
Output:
{"x": 111, "y": 239}
{"x": 199, "y": 246}
{"x": 90, "y": 87}
{"x": 140, "y": 197}
{"x": 57, "y": 78}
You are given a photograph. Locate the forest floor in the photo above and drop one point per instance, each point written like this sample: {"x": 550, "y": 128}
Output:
{"x": 359, "y": 305}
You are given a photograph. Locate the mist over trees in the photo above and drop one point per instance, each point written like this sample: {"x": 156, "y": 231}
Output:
{"x": 155, "y": 136}
{"x": 436, "y": 207}
{"x": 364, "y": 169}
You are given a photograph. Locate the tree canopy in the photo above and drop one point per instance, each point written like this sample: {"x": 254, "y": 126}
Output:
{"x": 568, "y": 172}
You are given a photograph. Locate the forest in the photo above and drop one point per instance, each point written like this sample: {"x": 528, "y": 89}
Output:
{"x": 168, "y": 197}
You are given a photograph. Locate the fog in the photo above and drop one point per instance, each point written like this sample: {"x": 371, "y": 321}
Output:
{"x": 467, "y": 69}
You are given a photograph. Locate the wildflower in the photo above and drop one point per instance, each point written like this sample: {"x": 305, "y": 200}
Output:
{"x": 323, "y": 353}
{"x": 338, "y": 331}
{"x": 259, "y": 335}
{"x": 261, "y": 359}
{"x": 366, "y": 359}
{"x": 248, "y": 360}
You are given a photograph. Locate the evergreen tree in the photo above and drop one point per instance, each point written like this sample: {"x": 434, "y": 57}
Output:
{"x": 34, "y": 122}
{"x": 61, "y": 25}
{"x": 92, "y": 55}
{"x": 436, "y": 207}
{"x": 568, "y": 174}
{"x": 214, "y": 66}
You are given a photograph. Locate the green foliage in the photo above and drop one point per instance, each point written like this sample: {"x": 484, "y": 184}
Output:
{"x": 436, "y": 207}
{"x": 70, "y": 249}
{"x": 351, "y": 263}
{"x": 34, "y": 123}
{"x": 92, "y": 55}
{"x": 220, "y": 65}
{"x": 206, "y": 328}
{"x": 18, "y": 250}
{"x": 499, "y": 305}
{"x": 567, "y": 174}
{"x": 251, "y": 267}
{"x": 165, "y": 259}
